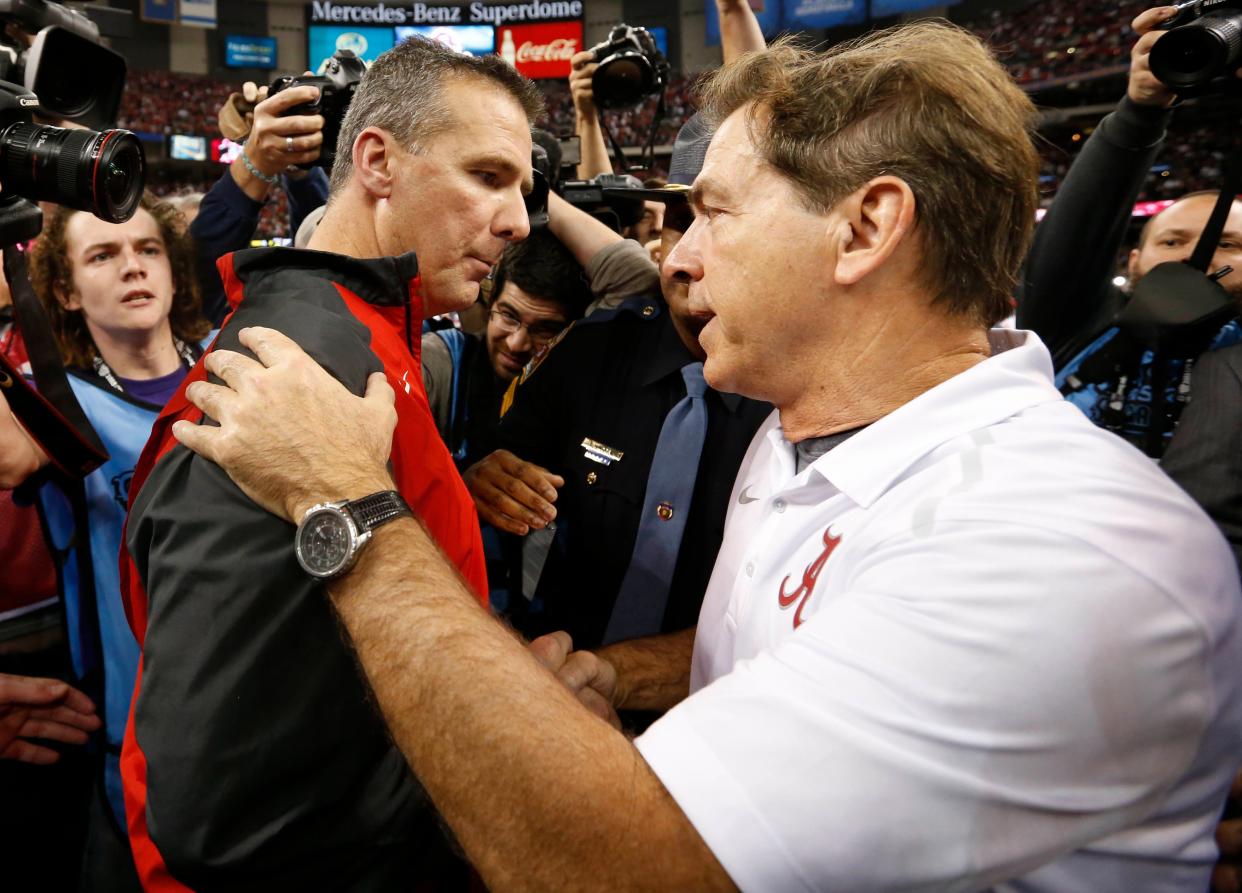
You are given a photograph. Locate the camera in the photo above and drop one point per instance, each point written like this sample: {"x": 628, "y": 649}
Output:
{"x": 607, "y": 199}
{"x": 342, "y": 74}
{"x": 65, "y": 66}
{"x": 102, "y": 172}
{"x": 1202, "y": 49}
{"x": 630, "y": 68}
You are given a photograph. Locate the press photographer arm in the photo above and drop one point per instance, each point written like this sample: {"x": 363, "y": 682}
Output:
{"x": 230, "y": 211}
{"x": 739, "y": 29}
{"x": 1066, "y": 293}
{"x": 595, "y": 159}
{"x": 616, "y": 267}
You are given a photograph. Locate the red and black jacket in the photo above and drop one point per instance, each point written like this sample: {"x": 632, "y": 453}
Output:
{"x": 253, "y": 759}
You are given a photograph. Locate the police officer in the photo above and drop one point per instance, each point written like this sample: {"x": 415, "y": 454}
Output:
{"x": 587, "y": 428}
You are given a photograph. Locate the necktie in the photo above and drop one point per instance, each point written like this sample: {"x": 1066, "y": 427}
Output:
{"x": 640, "y": 605}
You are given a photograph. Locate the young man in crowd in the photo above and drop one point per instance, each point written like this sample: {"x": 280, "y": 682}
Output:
{"x": 254, "y": 759}
{"x": 124, "y": 307}
{"x": 538, "y": 290}
{"x": 941, "y": 589}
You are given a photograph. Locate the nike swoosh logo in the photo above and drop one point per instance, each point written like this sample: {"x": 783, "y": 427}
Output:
{"x": 742, "y": 498}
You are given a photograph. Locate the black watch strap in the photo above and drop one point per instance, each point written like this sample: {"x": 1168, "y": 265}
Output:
{"x": 377, "y": 509}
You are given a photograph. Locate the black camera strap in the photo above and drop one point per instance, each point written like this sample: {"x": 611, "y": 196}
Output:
{"x": 647, "y": 158}
{"x": 52, "y": 415}
{"x": 1210, "y": 238}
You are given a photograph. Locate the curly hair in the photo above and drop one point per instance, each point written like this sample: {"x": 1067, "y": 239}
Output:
{"x": 51, "y": 270}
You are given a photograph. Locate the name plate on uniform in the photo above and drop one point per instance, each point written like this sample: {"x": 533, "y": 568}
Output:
{"x": 601, "y": 453}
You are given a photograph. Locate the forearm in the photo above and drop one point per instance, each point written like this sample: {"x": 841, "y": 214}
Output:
{"x": 578, "y": 231}
{"x": 739, "y": 29}
{"x": 595, "y": 158}
{"x": 1071, "y": 261}
{"x": 652, "y": 673}
{"x": 446, "y": 676}
{"x": 621, "y": 270}
{"x": 246, "y": 181}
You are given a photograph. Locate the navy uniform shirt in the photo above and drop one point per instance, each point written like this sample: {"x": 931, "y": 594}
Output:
{"x": 612, "y": 379}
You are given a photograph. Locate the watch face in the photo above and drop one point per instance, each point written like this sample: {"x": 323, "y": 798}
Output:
{"x": 323, "y": 544}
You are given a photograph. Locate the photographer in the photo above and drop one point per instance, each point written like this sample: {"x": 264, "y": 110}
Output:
{"x": 1067, "y": 295}
{"x": 125, "y": 311}
{"x": 739, "y": 34}
{"x": 229, "y": 213}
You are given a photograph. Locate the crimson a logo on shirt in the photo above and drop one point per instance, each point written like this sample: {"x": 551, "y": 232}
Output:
{"x": 802, "y": 594}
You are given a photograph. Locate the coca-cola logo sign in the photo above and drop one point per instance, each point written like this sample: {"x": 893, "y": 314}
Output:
{"x": 562, "y": 49}
{"x": 540, "y": 51}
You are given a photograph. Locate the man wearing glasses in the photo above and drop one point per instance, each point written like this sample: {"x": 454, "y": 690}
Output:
{"x": 538, "y": 290}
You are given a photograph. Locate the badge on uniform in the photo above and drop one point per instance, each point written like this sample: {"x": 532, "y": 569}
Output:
{"x": 601, "y": 453}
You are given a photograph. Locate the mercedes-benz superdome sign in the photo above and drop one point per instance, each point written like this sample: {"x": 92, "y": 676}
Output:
{"x": 325, "y": 11}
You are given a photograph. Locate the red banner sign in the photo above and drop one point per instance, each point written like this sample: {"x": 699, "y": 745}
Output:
{"x": 540, "y": 51}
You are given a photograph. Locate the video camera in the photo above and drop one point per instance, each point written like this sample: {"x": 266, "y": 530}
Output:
{"x": 603, "y": 197}
{"x": 74, "y": 76}
{"x": 1202, "y": 49}
{"x": 337, "y": 85}
{"x": 630, "y": 68}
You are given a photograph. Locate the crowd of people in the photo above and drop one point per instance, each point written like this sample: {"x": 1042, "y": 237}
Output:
{"x": 481, "y": 540}
{"x": 1060, "y": 38}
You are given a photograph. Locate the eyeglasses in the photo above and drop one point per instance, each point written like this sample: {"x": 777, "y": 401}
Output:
{"x": 539, "y": 332}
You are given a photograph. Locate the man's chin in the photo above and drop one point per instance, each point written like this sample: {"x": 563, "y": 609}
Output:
{"x": 438, "y": 300}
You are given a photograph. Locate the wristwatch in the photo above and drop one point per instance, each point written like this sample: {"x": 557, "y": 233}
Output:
{"x": 331, "y": 534}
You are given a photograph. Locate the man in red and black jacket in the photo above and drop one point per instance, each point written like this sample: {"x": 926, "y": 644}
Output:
{"x": 253, "y": 758}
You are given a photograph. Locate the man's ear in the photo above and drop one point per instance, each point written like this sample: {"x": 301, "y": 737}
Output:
{"x": 871, "y": 223}
{"x": 1132, "y": 265}
{"x": 373, "y": 157}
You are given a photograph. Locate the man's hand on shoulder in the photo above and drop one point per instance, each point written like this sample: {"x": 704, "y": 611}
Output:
{"x": 511, "y": 494}
{"x": 291, "y": 435}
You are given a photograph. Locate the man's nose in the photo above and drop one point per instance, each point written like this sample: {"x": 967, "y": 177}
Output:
{"x": 512, "y": 223}
{"x": 685, "y": 262}
{"x": 134, "y": 264}
{"x": 518, "y": 341}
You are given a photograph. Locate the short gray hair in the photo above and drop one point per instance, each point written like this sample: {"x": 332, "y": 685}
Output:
{"x": 401, "y": 93}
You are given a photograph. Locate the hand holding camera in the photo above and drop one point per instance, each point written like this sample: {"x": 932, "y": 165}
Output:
{"x": 1144, "y": 87}
{"x": 279, "y": 138}
{"x": 1202, "y": 52}
{"x": 582, "y": 71}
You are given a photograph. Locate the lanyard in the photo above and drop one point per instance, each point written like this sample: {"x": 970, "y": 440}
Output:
{"x": 102, "y": 370}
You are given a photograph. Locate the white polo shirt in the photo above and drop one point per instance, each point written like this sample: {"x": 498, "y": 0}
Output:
{"x": 982, "y": 644}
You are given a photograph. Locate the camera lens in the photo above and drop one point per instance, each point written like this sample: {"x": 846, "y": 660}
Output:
{"x": 624, "y": 79}
{"x": 98, "y": 171}
{"x": 1193, "y": 55}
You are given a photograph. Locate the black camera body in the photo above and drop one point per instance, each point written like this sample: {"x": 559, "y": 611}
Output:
{"x": 75, "y": 77}
{"x": 1202, "y": 49}
{"x": 605, "y": 198}
{"x": 337, "y": 85}
{"x": 630, "y": 68}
